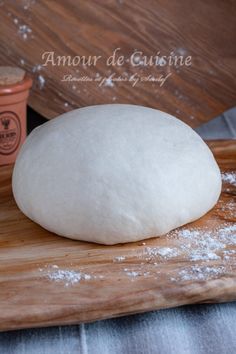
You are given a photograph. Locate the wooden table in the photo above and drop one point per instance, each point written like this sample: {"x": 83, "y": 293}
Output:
{"x": 204, "y": 30}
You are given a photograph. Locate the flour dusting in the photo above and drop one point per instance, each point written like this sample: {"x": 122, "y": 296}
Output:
{"x": 228, "y": 208}
{"x": 227, "y": 234}
{"x": 108, "y": 82}
{"x": 206, "y": 242}
{"x": 200, "y": 273}
{"x": 119, "y": 259}
{"x": 197, "y": 245}
{"x": 132, "y": 274}
{"x": 67, "y": 276}
{"x": 229, "y": 177}
{"x": 36, "y": 68}
{"x": 24, "y": 30}
{"x": 164, "y": 252}
{"x": 41, "y": 82}
{"x": 203, "y": 256}
{"x": 205, "y": 253}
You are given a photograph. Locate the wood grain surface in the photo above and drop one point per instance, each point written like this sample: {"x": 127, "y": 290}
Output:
{"x": 202, "y": 29}
{"x": 47, "y": 280}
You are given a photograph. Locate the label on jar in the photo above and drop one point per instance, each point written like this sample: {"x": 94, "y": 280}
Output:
{"x": 10, "y": 132}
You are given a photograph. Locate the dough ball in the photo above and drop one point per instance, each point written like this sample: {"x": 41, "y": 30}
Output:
{"x": 115, "y": 173}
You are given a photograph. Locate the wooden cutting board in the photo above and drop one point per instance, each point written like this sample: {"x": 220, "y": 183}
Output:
{"x": 202, "y": 29}
{"x": 49, "y": 280}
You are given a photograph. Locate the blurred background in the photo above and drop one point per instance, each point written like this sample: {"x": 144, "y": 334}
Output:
{"x": 203, "y": 30}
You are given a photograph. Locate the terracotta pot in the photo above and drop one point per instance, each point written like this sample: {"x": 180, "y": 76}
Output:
{"x": 13, "y": 100}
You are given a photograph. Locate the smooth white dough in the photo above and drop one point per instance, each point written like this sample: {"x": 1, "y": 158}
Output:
{"x": 115, "y": 173}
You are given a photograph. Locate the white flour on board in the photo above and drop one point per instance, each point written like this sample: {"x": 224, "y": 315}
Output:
{"x": 119, "y": 259}
{"x": 229, "y": 177}
{"x": 199, "y": 273}
{"x": 190, "y": 244}
{"x": 133, "y": 274}
{"x": 66, "y": 276}
{"x": 228, "y": 208}
{"x": 165, "y": 252}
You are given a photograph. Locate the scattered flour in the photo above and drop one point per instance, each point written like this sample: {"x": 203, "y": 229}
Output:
{"x": 203, "y": 245}
{"x": 135, "y": 273}
{"x": 228, "y": 208}
{"x": 200, "y": 273}
{"x": 198, "y": 245}
{"x": 203, "y": 256}
{"x": 227, "y": 234}
{"x": 195, "y": 244}
{"x": 36, "y": 68}
{"x": 119, "y": 259}
{"x": 161, "y": 61}
{"x": 66, "y": 276}
{"x": 229, "y": 252}
{"x": 55, "y": 266}
{"x": 138, "y": 60}
{"x": 41, "y": 81}
{"x": 27, "y": 3}
{"x": 108, "y": 82}
{"x": 24, "y": 31}
{"x": 132, "y": 273}
{"x": 164, "y": 252}
{"x": 229, "y": 177}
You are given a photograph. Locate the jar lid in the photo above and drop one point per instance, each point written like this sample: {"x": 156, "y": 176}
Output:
{"x": 11, "y": 75}
{"x": 13, "y": 80}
